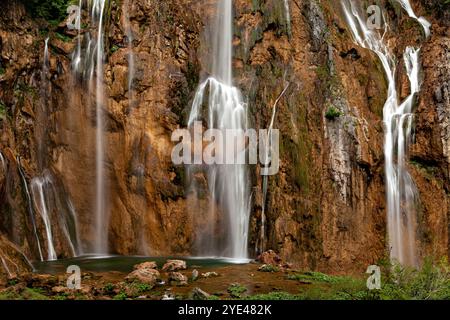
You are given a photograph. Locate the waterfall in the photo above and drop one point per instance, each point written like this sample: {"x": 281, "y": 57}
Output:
{"x": 37, "y": 189}
{"x": 262, "y": 242}
{"x": 3, "y": 161}
{"x": 76, "y": 56}
{"x": 30, "y": 208}
{"x": 228, "y": 184}
{"x": 425, "y": 24}
{"x": 47, "y": 201}
{"x": 101, "y": 245}
{"x": 288, "y": 15}
{"x": 87, "y": 64}
{"x": 398, "y": 121}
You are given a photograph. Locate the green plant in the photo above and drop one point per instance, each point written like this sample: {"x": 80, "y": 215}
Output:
{"x": 236, "y": 290}
{"x": 311, "y": 276}
{"x": 63, "y": 37}
{"x": 333, "y": 113}
{"x": 113, "y": 49}
{"x": 121, "y": 296}
{"x": 2, "y": 71}
{"x": 277, "y": 295}
{"x": 109, "y": 288}
{"x": 143, "y": 287}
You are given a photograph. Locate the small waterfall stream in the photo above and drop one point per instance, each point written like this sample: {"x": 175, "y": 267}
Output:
{"x": 38, "y": 187}
{"x": 398, "y": 120}
{"x": 228, "y": 184}
{"x": 30, "y": 208}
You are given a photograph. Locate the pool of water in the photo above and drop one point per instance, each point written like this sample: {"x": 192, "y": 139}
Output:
{"x": 125, "y": 263}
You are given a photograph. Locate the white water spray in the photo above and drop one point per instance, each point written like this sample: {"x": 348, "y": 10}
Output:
{"x": 228, "y": 184}
{"x": 425, "y": 24}
{"x": 30, "y": 208}
{"x": 398, "y": 118}
{"x": 38, "y": 186}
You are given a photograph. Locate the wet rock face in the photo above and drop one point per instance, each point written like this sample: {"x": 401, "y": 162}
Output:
{"x": 325, "y": 209}
{"x": 12, "y": 262}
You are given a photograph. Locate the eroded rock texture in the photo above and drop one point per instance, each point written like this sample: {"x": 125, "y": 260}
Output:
{"x": 326, "y": 207}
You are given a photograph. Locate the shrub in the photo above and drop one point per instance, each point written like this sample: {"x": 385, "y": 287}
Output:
{"x": 332, "y": 113}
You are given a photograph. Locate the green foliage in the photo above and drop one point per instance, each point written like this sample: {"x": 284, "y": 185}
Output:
{"x": 54, "y": 11}
{"x": 113, "y": 49}
{"x": 142, "y": 287}
{"x": 311, "y": 276}
{"x": 431, "y": 282}
{"x": 277, "y": 295}
{"x": 236, "y": 290}
{"x": 25, "y": 294}
{"x": 2, "y": 71}
{"x": 109, "y": 288}
{"x": 121, "y": 296}
{"x": 332, "y": 113}
{"x": 63, "y": 37}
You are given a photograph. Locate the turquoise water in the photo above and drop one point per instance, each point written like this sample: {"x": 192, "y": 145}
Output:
{"x": 125, "y": 263}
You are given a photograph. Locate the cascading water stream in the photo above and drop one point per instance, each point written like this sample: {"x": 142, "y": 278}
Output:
{"x": 30, "y": 209}
{"x": 398, "y": 118}
{"x": 88, "y": 65}
{"x": 101, "y": 245}
{"x": 288, "y": 15}
{"x": 228, "y": 184}
{"x": 425, "y": 24}
{"x": 38, "y": 186}
{"x": 262, "y": 242}
{"x": 3, "y": 161}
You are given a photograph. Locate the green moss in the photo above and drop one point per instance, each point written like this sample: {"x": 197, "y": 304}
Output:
{"x": 25, "y": 294}
{"x": 63, "y": 37}
{"x": 277, "y": 295}
{"x": 113, "y": 49}
{"x": 236, "y": 290}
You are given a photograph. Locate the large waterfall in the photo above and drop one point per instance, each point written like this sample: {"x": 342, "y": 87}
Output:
{"x": 229, "y": 183}
{"x": 87, "y": 63}
{"x": 398, "y": 121}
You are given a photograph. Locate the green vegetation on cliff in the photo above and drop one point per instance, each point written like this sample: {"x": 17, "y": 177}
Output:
{"x": 53, "y": 11}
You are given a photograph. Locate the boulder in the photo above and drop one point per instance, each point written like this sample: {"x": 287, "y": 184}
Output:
{"x": 194, "y": 274}
{"x": 146, "y": 265}
{"x": 178, "y": 279}
{"x": 174, "y": 265}
{"x": 147, "y": 276}
{"x": 210, "y": 274}
{"x": 199, "y": 294}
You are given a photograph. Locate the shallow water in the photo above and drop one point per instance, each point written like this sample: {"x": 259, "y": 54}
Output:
{"x": 125, "y": 263}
